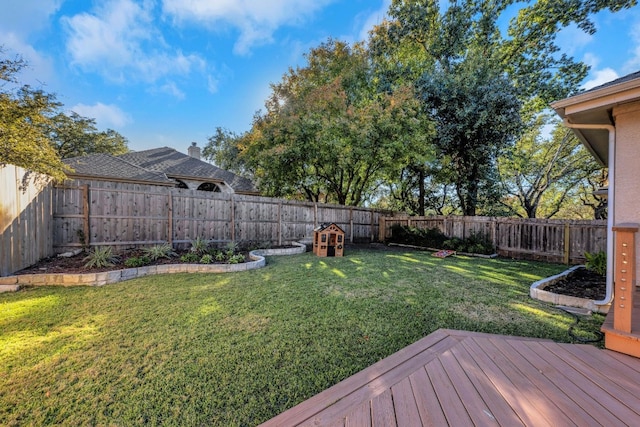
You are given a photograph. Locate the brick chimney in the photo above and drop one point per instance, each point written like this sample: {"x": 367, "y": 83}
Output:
{"x": 194, "y": 150}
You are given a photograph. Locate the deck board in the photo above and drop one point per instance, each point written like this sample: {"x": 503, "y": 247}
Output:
{"x": 464, "y": 378}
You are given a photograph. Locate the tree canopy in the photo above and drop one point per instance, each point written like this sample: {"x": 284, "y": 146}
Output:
{"x": 36, "y": 135}
{"x": 328, "y": 134}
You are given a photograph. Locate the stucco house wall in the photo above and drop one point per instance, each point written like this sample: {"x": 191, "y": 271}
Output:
{"x": 627, "y": 169}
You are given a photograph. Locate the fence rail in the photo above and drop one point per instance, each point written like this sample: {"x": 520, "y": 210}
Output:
{"x": 563, "y": 241}
{"x": 98, "y": 213}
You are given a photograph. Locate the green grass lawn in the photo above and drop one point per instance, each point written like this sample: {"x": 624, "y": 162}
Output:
{"x": 237, "y": 349}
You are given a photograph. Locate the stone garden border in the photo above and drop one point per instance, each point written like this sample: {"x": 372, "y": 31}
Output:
{"x": 13, "y": 283}
{"x": 537, "y": 291}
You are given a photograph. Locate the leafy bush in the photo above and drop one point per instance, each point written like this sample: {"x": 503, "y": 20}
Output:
{"x": 159, "y": 251}
{"x": 206, "y": 259}
{"x": 429, "y": 238}
{"x": 199, "y": 246}
{"x": 597, "y": 262}
{"x": 136, "y": 261}
{"x": 433, "y": 238}
{"x": 236, "y": 259}
{"x": 190, "y": 257}
{"x": 220, "y": 256}
{"x": 101, "y": 257}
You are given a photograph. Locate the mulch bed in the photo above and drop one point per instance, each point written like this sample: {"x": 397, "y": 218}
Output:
{"x": 75, "y": 264}
{"x": 581, "y": 283}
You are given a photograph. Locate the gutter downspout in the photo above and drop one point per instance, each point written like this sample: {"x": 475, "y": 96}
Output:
{"x": 610, "y": 201}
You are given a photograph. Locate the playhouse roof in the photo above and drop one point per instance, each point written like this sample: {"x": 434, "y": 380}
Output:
{"x": 326, "y": 225}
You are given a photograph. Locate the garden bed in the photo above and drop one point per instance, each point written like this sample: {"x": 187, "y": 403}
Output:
{"x": 71, "y": 271}
{"x": 575, "y": 287}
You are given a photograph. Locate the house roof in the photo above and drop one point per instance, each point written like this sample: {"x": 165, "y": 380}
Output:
{"x": 179, "y": 165}
{"x": 595, "y": 107}
{"x": 108, "y": 166}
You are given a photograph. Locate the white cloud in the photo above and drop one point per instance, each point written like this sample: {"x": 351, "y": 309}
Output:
{"x": 107, "y": 116}
{"x": 571, "y": 39}
{"x": 120, "y": 42}
{"x": 172, "y": 89}
{"x": 26, "y": 16}
{"x": 600, "y": 77}
{"x": 212, "y": 84}
{"x": 39, "y": 70}
{"x": 256, "y": 20}
{"x": 633, "y": 63}
{"x": 374, "y": 19}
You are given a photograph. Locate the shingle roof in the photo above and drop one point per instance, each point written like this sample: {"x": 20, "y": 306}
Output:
{"x": 106, "y": 165}
{"x": 176, "y": 164}
{"x": 620, "y": 80}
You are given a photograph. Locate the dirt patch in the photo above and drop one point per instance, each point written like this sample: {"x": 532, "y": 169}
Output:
{"x": 581, "y": 283}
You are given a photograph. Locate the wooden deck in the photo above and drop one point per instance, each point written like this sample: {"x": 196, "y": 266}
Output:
{"x": 463, "y": 378}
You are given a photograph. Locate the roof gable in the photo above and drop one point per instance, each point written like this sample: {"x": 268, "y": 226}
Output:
{"x": 176, "y": 164}
{"x": 108, "y": 166}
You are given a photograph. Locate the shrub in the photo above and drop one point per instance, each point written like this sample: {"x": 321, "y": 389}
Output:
{"x": 220, "y": 256}
{"x": 100, "y": 257}
{"x": 206, "y": 259}
{"x": 236, "y": 259}
{"x": 190, "y": 257}
{"x": 159, "y": 251}
{"x": 199, "y": 246}
{"x": 428, "y": 238}
{"x": 136, "y": 261}
{"x": 597, "y": 262}
{"x": 433, "y": 238}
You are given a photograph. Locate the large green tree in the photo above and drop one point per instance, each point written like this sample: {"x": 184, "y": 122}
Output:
{"x": 328, "y": 134}
{"x": 434, "y": 40}
{"x": 544, "y": 172}
{"x": 24, "y": 115}
{"x": 73, "y": 135}
{"x": 36, "y": 135}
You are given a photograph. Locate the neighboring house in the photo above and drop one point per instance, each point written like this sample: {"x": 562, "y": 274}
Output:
{"x": 607, "y": 121}
{"x": 161, "y": 166}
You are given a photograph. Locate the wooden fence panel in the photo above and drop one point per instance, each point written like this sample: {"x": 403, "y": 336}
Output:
{"x": 26, "y": 219}
{"x": 126, "y": 215}
{"x": 539, "y": 239}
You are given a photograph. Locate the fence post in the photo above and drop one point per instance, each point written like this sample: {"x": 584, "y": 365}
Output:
{"x": 279, "y": 223}
{"x": 567, "y": 243}
{"x": 372, "y": 232}
{"x": 382, "y": 228}
{"x": 350, "y": 224}
{"x": 170, "y": 217}
{"x": 85, "y": 215}
{"x": 233, "y": 219}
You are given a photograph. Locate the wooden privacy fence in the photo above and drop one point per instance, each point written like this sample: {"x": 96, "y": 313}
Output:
{"x": 25, "y": 219}
{"x": 98, "y": 213}
{"x": 549, "y": 240}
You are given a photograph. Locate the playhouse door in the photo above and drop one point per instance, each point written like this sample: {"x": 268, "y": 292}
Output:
{"x": 331, "y": 250}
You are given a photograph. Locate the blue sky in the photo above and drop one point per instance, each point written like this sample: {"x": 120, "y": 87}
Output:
{"x": 168, "y": 72}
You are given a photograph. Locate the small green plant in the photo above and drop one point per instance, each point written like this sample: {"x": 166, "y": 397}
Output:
{"x": 596, "y": 262}
{"x": 199, "y": 246}
{"x": 190, "y": 257}
{"x": 159, "y": 251}
{"x": 236, "y": 259}
{"x": 100, "y": 257}
{"x": 232, "y": 247}
{"x": 220, "y": 256}
{"x": 135, "y": 261}
{"x": 206, "y": 259}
